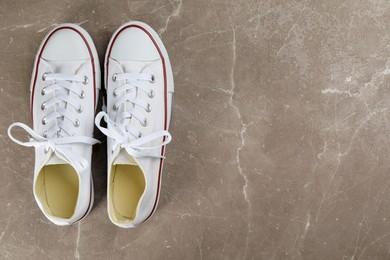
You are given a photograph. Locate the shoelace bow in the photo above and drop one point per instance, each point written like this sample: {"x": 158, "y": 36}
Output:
{"x": 126, "y": 136}
{"x": 59, "y": 137}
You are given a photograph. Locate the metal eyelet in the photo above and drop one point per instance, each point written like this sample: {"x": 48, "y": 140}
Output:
{"x": 44, "y": 121}
{"x": 43, "y": 106}
{"x": 44, "y": 76}
{"x": 114, "y": 93}
{"x": 85, "y": 82}
{"x": 140, "y": 135}
{"x": 45, "y": 134}
{"x": 149, "y": 108}
{"x": 77, "y": 123}
{"x": 47, "y": 149}
{"x": 43, "y": 91}
{"x": 114, "y": 107}
{"x": 114, "y": 77}
{"x": 82, "y": 95}
{"x": 144, "y": 123}
{"x": 112, "y": 151}
{"x": 151, "y": 94}
{"x": 152, "y": 79}
{"x": 80, "y": 110}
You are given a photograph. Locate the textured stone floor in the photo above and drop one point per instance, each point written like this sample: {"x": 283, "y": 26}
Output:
{"x": 281, "y": 132}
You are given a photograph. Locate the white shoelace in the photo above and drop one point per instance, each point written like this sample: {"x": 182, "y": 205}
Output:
{"x": 125, "y": 135}
{"x": 60, "y": 136}
{"x": 62, "y": 101}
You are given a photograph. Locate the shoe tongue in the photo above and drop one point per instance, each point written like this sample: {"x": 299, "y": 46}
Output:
{"x": 134, "y": 66}
{"x": 124, "y": 158}
{"x": 66, "y": 67}
{"x": 54, "y": 159}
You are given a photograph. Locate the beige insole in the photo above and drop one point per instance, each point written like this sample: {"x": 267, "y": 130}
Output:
{"x": 61, "y": 188}
{"x": 128, "y": 185}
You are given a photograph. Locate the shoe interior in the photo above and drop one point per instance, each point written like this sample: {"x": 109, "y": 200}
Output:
{"x": 127, "y": 186}
{"x": 57, "y": 188}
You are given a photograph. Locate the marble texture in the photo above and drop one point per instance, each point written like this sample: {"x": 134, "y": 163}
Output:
{"x": 280, "y": 123}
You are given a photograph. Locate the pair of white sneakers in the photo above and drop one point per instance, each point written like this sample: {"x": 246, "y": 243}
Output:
{"x": 64, "y": 91}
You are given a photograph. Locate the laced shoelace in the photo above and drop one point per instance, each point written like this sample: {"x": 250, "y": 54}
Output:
{"x": 62, "y": 87}
{"x": 59, "y": 137}
{"x": 126, "y": 136}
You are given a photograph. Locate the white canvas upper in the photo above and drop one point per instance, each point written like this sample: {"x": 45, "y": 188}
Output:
{"x": 64, "y": 91}
{"x": 139, "y": 84}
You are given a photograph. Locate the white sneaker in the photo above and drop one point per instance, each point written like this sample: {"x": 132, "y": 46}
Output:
{"x": 139, "y": 83}
{"x": 64, "y": 90}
